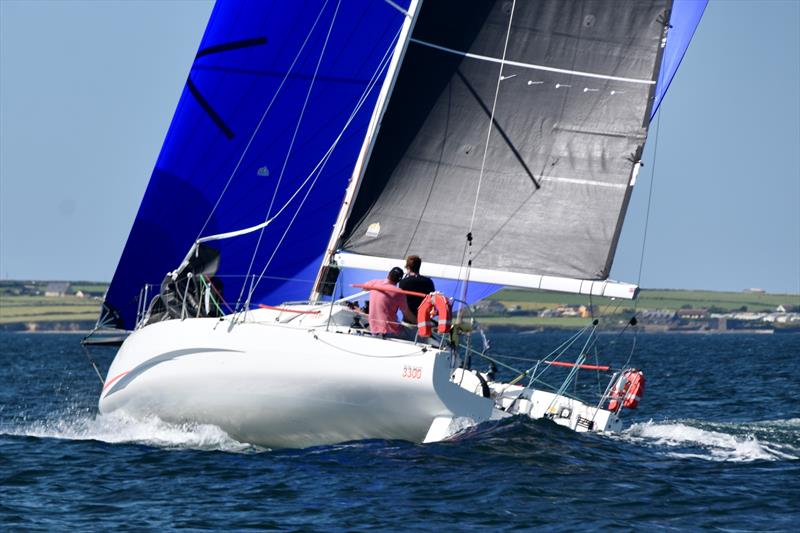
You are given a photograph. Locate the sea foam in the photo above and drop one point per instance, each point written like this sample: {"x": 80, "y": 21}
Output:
{"x": 720, "y": 442}
{"x": 119, "y": 427}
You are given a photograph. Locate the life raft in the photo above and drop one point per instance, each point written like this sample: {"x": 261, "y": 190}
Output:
{"x": 627, "y": 391}
{"x": 434, "y": 305}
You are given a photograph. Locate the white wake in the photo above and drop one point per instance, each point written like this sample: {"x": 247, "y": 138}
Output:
{"x": 721, "y": 442}
{"x": 118, "y": 427}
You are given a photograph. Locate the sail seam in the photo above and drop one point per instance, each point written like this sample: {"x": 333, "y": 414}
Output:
{"x": 577, "y": 181}
{"x": 534, "y": 66}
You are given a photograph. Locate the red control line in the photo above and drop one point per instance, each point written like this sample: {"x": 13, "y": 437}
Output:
{"x": 584, "y": 367}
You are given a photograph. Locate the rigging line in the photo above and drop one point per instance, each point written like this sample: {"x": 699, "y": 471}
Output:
{"x": 573, "y": 372}
{"x": 465, "y": 286}
{"x": 397, "y": 7}
{"x": 261, "y": 121}
{"x": 91, "y": 361}
{"x": 516, "y": 370}
{"x": 334, "y": 144}
{"x": 291, "y": 143}
{"x": 255, "y": 281}
{"x": 491, "y": 117}
{"x": 562, "y": 350}
{"x": 649, "y": 204}
{"x": 367, "y": 90}
{"x": 421, "y": 351}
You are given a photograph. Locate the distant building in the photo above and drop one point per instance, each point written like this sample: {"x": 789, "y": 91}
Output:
{"x": 692, "y": 314}
{"x": 80, "y": 294}
{"x": 56, "y": 288}
{"x": 755, "y": 290}
{"x": 567, "y": 311}
{"x": 490, "y": 306}
{"x": 657, "y": 315}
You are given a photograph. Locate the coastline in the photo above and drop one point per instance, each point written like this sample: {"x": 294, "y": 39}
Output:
{"x": 72, "y": 307}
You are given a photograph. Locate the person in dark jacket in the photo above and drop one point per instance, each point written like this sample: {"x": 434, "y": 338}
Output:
{"x": 415, "y": 282}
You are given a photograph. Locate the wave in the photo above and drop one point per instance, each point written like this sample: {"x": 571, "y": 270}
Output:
{"x": 120, "y": 428}
{"x": 768, "y": 440}
{"x": 750, "y": 441}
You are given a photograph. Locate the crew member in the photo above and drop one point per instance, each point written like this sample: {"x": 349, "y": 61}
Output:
{"x": 415, "y": 282}
{"x": 384, "y": 303}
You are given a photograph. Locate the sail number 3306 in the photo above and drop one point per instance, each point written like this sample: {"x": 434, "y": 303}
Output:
{"x": 412, "y": 372}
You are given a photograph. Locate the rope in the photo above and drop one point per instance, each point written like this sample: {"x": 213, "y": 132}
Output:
{"x": 359, "y": 105}
{"x": 491, "y": 116}
{"x": 649, "y": 204}
{"x": 465, "y": 285}
{"x": 291, "y": 144}
{"x": 209, "y": 287}
{"x": 371, "y": 356}
{"x": 314, "y": 173}
{"x": 320, "y": 166}
{"x": 509, "y": 367}
{"x": 91, "y": 362}
{"x": 261, "y": 121}
{"x": 573, "y": 373}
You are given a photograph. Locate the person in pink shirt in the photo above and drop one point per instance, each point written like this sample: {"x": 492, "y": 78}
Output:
{"x": 384, "y": 305}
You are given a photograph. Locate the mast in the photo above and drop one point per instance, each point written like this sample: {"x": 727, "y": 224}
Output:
{"x": 369, "y": 142}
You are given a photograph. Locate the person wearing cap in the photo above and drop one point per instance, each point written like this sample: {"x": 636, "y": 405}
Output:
{"x": 384, "y": 305}
{"x": 414, "y": 282}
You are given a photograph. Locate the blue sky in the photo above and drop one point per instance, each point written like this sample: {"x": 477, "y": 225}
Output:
{"x": 87, "y": 91}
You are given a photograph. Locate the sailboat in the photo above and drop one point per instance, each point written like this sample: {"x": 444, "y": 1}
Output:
{"x": 316, "y": 145}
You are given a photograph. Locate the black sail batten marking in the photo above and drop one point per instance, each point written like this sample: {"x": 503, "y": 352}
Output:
{"x": 233, "y": 45}
{"x": 216, "y": 49}
{"x": 209, "y": 109}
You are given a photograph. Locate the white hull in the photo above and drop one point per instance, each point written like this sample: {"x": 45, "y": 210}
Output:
{"x": 282, "y": 386}
{"x": 284, "y": 380}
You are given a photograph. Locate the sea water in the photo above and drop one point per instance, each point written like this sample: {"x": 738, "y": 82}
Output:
{"x": 715, "y": 444}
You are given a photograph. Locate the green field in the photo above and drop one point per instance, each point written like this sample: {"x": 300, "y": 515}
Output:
{"x": 650, "y": 299}
{"x": 533, "y": 321}
{"x": 27, "y": 309}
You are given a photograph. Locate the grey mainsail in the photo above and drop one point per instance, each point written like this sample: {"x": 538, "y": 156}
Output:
{"x": 569, "y": 124}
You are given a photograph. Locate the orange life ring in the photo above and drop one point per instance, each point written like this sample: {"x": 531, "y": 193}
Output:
{"x": 434, "y": 304}
{"x": 628, "y": 390}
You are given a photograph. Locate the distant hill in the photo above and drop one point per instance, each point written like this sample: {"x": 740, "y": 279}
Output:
{"x": 654, "y": 299}
{"x": 60, "y": 305}
{"x": 49, "y": 305}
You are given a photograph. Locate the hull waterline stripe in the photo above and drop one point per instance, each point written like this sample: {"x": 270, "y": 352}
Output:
{"x": 123, "y": 380}
{"x": 112, "y": 380}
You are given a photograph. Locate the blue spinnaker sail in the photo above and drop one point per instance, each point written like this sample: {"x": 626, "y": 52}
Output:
{"x": 685, "y": 17}
{"x": 273, "y": 115}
